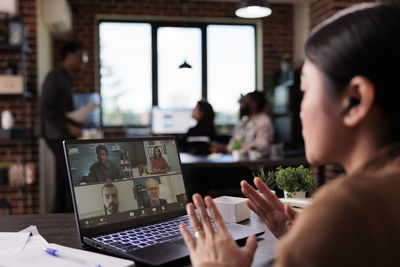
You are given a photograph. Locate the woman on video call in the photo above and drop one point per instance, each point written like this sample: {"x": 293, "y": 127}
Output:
{"x": 349, "y": 114}
{"x": 158, "y": 163}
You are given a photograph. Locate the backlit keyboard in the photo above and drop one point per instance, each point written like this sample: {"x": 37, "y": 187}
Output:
{"x": 145, "y": 236}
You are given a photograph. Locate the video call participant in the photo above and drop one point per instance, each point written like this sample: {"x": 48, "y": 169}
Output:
{"x": 153, "y": 191}
{"x": 104, "y": 170}
{"x": 158, "y": 163}
{"x": 110, "y": 199}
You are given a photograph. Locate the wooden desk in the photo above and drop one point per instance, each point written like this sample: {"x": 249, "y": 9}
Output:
{"x": 61, "y": 229}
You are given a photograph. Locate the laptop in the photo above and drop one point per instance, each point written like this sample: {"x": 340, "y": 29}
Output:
{"x": 129, "y": 198}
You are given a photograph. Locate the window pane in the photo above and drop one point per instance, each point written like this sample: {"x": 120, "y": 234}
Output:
{"x": 179, "y": 88}
{"x": 125, "y": 73}
{"x": 231, "y": 68}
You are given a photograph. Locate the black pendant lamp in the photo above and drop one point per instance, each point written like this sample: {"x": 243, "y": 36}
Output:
{"x": 253, "y": 9}
{"x": 185, "y": 65}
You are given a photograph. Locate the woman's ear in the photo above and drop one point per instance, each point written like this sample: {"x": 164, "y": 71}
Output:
{"x": 360, "y": 98}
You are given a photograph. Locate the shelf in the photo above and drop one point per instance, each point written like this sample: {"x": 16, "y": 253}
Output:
{"x": 25, "y": 94}
{"x": 11, "y": 134}
{"x": 7, "y": 47}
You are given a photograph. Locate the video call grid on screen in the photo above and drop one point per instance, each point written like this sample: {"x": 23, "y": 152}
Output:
{"x": 133, "y": 183}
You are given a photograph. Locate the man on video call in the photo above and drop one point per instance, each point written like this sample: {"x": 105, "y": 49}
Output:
{"x": 153, "y": 191}
{"x": 103, "y": 170}
{"x": 110, "y": 198}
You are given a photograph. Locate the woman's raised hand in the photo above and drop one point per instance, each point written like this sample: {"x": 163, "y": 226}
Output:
{"x": 214, "y": 247}
{"x": 278, "y": 218}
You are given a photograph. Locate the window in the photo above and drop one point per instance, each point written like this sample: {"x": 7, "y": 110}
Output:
{"x": 139, "y": 68}
{"x": 178, "y": 88}
{"x": 125, "y": 73}
{"x": 231, "y": 68}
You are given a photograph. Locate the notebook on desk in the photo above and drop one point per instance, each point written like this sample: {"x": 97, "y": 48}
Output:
{"x": 125, "y": 210}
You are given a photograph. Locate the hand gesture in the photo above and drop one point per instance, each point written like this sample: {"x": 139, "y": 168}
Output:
{"x": 214, "y": 247}
{"x": 278, "y": 218}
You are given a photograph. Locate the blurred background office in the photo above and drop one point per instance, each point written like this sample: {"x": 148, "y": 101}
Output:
{"x": 146, "y": 58}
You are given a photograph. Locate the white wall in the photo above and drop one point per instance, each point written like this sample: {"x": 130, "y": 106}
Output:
{"x": 46, "y": 158}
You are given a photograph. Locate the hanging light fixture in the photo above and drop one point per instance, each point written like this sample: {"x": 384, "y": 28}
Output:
{"x": 185, "y": 65}
{"x": 252, "y": 9}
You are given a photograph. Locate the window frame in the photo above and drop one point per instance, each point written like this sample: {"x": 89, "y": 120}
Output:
{"x": 177, "y": 22}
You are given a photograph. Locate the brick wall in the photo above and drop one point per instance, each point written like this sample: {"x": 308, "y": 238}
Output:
{"x": 323, "y": 9}
{"x": 14, "y": 150}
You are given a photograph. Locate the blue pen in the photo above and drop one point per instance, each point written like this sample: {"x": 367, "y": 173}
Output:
{"x": 66, "y": 256}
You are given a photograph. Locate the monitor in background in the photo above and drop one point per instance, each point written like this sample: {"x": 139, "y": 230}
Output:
{"x": 283, "y": 129}
{"x": 171, "y": 121}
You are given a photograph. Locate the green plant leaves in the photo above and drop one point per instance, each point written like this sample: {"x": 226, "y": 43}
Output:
{"x": 293, "y": 179}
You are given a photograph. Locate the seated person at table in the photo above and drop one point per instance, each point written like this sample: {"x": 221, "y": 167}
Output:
{"x": 349, "y": 115}
{"x": 198, "y": 138}
{"x": 104, "y": 170}
{"x": 153, "y": 192}
{"x": 158, "y": 163}
{"x": 255, "y": 130}
{"x": 110, "y": 198}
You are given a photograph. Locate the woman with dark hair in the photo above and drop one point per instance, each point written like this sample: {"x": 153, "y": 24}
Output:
{"x": 158, "y": 163}
{"x": 198, "y": 138}
{"x": 349, "y": 116}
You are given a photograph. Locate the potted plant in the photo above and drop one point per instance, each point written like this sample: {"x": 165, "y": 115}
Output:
{"x": 295, "y": 181}
{"x": 269, "y": 179}
{"x": 236, "y": 150}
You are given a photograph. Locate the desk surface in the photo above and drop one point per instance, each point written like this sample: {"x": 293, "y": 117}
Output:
{"x": 61, "y": 229}
{"x": 226, "y": 160}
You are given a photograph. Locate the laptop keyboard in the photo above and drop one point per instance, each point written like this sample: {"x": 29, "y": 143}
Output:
{"x": 145, "y": 236}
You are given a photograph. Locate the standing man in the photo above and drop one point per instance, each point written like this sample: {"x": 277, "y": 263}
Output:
{"x": 109, "y": 193}
{"x": 55, "y": 101}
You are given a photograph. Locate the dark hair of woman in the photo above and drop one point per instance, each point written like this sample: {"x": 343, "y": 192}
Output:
{"x": 159, "y": 152}
{"x": 259, "y": 98}
{"x": 364, "y": 46}
{"x": 207, "y": 120}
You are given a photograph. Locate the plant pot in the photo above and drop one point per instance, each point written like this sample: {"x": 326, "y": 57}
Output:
{"x": 254, "y": 155}
{"x": 298, "y": 194}
{"x": 237, "y": 155}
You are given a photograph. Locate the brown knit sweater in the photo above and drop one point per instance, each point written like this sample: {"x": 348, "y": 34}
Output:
{"x": 354, "y": 221}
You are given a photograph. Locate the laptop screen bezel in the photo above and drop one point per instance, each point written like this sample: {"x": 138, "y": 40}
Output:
{"x": 98, "y": 230}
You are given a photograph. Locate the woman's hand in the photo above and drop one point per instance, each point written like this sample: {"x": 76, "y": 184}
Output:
{"x": 276, "y": 216}
{"x": 214, "y": 247}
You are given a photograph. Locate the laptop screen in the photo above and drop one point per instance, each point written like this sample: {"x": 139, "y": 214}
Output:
{"x": 122, "y": 180}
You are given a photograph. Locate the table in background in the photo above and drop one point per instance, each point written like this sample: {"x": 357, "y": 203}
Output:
{"x": 61, "y": 229}
{"x": 226, "y": 160}
{"x": 222, "y": 175}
